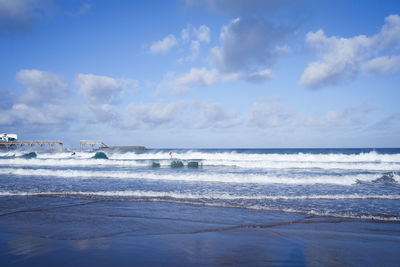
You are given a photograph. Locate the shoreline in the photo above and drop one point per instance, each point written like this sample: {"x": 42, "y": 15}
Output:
{"x": 76, "y": 232}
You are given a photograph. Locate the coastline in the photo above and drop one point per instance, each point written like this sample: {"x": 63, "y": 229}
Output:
{"x": 80, "y": 232}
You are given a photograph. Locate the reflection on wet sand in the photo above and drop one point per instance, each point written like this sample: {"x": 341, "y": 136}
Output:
{"x": 88, "y": 244}
{"x": 23, "y": 245}
{"x": 145, "y": 233}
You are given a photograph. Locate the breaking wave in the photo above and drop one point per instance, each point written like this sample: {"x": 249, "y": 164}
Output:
{"x": 371, "y": 161}
{"x": 256, "y": 178}
{"x": 359, "y": 185}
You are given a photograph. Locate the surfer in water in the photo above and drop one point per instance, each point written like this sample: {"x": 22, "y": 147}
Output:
{"x": 170, "y": 154}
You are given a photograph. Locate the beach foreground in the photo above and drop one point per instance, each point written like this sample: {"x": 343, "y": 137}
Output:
{"x": 52, "y": 231}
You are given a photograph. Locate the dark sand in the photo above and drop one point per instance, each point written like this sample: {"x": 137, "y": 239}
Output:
{"x": 48, "y": 231}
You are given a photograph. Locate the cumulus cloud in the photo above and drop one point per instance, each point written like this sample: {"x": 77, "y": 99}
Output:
{"x": 194, "y": 36}
{"x": 203, "y": 77}
{"x": 46, "y": 114}
{"x": 188, "y": 114}
{"x": 194, "y": 50}
{"x": 164, "y": 46}
{"x": 267, "y": 115}
{"x": 248, "y": 45}
{"x": 20, "y": 14}
{"x": 390, "y": 33}
{"x": 341, "y": 59}
{"x": 260, "y": 76}
{"x": 42, "y": 86}
{"x": 154, "y": 114}
{"x": 102, "y": 89}
{"x": 190, "y": 41}
{"x": 43, "y": 102}
{"x": 180, "y": 84}
{"x": 388, "y": 124}
{"x": 105, "y": 113}
{"x": 6, "y": 99}
{"x": 213, "y": 115}
{"x": 101, "y": 93}
{"x": 350, "y": 116}
{"x": 383, "y": 64}
{"x": 201, "y": 34}
{"x": 270, "y": 114}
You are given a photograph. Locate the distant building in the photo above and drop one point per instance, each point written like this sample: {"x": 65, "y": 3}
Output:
{"x": 8, "y": 137}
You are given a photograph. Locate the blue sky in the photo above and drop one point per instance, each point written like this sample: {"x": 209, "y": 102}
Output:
{"x": 212, "y": 73}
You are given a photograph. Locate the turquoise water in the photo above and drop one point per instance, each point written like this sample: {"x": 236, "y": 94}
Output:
{"x": 348, "y": 183}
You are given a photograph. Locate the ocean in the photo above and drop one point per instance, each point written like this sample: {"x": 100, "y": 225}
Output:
{"x": 359, "y": 184}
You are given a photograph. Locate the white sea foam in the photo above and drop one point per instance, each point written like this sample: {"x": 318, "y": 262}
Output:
{"x": 345, "y": 215}
{"x": 209, "y": 196}
{"x": 244, "y": 162}
{"x": 257, "y": 178}
{"x": 235, "y": 156}
{"x": 213, "y": 199}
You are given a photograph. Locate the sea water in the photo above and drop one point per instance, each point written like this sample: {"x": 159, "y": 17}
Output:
{"x": 348, "y": 183}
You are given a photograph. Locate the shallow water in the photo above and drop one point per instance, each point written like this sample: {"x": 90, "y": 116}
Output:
{"x": 348, "y": 183}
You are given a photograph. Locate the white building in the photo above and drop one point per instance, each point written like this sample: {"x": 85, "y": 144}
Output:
{"x": 8, "y": 137}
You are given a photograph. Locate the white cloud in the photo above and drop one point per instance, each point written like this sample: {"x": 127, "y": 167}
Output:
{"x": 200, "y": 34}
{"x": 194, "y": 52}
{"x": 383, "y": 64}
{"x": 195, "y": 77}
{"x": 203, "y": 34}
{"x": 98, "y": 89}
{"x": 42, "y": 86}
{"x": 6, "y": 99}
{"x": 390, "y": 33}
{"x": 194, "y": 36}
{"x": 341, "y": 58}
{"x": 266, "y": 115}
{"x": 47, "y": 114}
{"x": 188, "y": 114}
{"x": 260, "y": 76}
{"x": 154, "y": 115}
{"x": 164, "y": 46}
{"x": 20, "y": 14}
{"x": 105, "y": 113}
{"x": 101, "y": 93}
{"x": 248, "y": 45}
{"x": 350, "y": 116}
{"x": 42, "y": 104}
{"x": 185, "y": 33}
{"x": 213, "y": 115}
{"x": 181, "y": 84}
{"x": 189, "y": 35}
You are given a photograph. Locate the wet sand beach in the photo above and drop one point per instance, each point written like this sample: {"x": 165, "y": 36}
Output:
{"x": 52, "y": 231}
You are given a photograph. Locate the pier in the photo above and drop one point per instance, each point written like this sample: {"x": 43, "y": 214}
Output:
{"x": 51, "y": 145}
{"x": 92, "y": 145}
{"x": 101, "y": 146}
